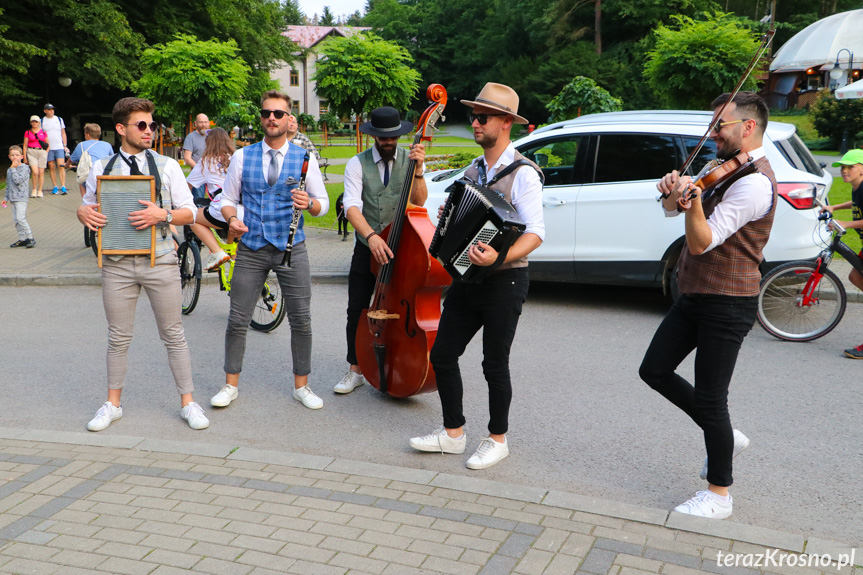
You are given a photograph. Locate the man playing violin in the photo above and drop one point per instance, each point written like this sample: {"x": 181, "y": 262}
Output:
{"x": 495, "y": 303}
{"x": 726, "y": 229}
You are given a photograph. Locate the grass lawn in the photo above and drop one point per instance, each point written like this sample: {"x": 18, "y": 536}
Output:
{"x": 840, "y": 192}
{"x": 335, "y": 152}
{"x": 805, "y": 129}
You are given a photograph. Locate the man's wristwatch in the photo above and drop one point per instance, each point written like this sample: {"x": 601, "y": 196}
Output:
{"x": 169, "y": 217}
{"x": 311, "y": 203}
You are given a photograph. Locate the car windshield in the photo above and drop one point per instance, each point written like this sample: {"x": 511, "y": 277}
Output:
{"x": 798, "y": 155}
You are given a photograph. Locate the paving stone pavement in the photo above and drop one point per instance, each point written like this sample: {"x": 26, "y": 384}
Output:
{"x": 75, "y": 503}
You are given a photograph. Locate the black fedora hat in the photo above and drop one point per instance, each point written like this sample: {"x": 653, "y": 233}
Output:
{"x": 386, "y": 123}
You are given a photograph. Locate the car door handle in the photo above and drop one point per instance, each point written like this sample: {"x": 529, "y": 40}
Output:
{"x": 553, "y": 202}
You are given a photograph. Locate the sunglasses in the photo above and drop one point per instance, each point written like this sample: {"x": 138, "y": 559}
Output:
{"x": 482, "y": 118}
{"x": 718, "y": 127}
{"x": 279, "y": 114}
{"x": 142, "y": 125}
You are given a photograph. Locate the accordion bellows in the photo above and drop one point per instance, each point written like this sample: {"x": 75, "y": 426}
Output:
{"x": 473, "y": 213}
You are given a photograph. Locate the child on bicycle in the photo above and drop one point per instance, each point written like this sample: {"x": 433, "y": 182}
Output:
{"x": 851, "y": 166}
{"x": 211, "y": 171}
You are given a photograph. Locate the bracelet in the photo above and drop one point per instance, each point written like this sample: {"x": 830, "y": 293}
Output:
{"x": 419, "y": 177}
{"x": 372, "y": 233}
{"x": 229, "y": 219}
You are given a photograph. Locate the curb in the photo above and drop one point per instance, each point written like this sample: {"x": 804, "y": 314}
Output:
{"x": 766, "y": 537}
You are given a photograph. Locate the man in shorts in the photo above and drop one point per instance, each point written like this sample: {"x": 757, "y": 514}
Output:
{"x": 55, "y": 127}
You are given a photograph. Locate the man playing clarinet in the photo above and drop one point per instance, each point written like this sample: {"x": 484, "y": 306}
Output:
{"x": 266, "y": 176}
{"x": 726, "y": 229}
{"x": 495, "y": 303}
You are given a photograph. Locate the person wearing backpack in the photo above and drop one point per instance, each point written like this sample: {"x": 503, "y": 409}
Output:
{"x": 87, "y": 152}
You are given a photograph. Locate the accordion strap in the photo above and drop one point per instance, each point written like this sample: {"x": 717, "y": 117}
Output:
{"x": 513, "y": 167}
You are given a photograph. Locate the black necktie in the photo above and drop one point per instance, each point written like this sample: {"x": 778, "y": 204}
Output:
{"x": 386, "y": 173}
{"x": 133, "y": 167}
{"x": 482, "y": 173}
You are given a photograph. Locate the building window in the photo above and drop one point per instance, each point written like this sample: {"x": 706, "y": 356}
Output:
{"x": 296, "y": 109}
{"x": 323, "y": 108}
{"x": 295, "y": 78}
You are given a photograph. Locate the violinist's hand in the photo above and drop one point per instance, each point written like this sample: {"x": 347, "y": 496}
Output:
{"x": 690, "y": 194}
{"x": 667, "y": 184}
{"x": 380, "y": 250}
{"x": 482, "y": 254}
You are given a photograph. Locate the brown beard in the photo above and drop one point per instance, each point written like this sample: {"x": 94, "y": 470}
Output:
{"x": 386, "y": 154}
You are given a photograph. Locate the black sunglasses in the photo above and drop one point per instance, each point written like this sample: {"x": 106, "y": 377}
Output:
{"x": 482, "y": 118}
{"x": 279, "y": 114}
{"x": 142, "y": 125}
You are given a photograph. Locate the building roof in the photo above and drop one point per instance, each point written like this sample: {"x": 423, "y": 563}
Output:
{"x": 308, "y": 36}
{"x": 820, "y": 43}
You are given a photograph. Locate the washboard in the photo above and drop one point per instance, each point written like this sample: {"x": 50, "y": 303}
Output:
{"x": 117, "y": 197}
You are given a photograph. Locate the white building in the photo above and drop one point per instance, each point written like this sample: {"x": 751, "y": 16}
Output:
{"x": 295, "y": 78}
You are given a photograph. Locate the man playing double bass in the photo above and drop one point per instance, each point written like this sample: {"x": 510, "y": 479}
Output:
{"x": 373, "y": 181}
{"x": 726, "y": 230}
{"x": 495, "y": 303}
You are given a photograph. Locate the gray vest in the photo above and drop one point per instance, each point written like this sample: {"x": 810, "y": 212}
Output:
{"x": 166, "y": 244}
{"x": 504, "y": 186}
{"x": 379, "y": 202}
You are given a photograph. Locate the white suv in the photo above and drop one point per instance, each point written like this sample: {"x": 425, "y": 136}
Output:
{"x": 603, "y": 224}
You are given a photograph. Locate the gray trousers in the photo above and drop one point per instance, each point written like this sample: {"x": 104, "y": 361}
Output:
{"x": 121, "y": 285}
{"x": 19, "y": 209}
{"x": 250, "y": 272}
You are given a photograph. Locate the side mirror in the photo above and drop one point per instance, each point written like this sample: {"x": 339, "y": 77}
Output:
{"x": 541, "y": 160}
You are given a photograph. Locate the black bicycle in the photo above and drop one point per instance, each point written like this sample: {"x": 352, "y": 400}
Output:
{"x": 805, "y": 300}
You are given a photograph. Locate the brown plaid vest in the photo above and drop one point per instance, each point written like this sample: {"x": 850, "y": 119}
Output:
{"x": 730, "y": 268}
{"x": 504, "y": 186}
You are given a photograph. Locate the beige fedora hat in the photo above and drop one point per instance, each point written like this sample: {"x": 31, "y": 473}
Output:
{"x": 498, "y": 97}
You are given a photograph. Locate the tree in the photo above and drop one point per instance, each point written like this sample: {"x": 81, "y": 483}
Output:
{"x": 696, "y": 60}
{"x": 190, "y": 76}
{"x": 832, "y": 117}
{"x": 327, "y": 17}
{"x": 582, "y": 96}
{"x": 15, "y": 57}
{"x": 362, "y": 72}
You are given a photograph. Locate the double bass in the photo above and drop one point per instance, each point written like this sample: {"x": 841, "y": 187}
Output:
{"x": 397, "y": 331}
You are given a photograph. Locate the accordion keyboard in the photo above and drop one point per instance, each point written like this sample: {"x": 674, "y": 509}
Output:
{"x": 486, "y": 233}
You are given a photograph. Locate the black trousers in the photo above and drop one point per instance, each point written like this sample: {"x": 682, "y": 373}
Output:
{"x": 494, "y": 305}
{"x": 361, "y": 286}
{"x": 715, "y": 326}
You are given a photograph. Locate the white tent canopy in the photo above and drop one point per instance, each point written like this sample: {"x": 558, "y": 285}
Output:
{"x": 850, "y": 91}
{"x": 820, "y": 43}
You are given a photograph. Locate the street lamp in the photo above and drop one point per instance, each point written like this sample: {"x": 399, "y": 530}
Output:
{"x": 835, "y": 74}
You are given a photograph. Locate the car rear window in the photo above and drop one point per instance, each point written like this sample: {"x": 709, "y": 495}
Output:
{"x": 633, "y": 157}
{"x": 798, "y": 155}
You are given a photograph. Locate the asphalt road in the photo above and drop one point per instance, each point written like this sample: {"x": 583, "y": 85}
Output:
{"x": 581, "y": 419}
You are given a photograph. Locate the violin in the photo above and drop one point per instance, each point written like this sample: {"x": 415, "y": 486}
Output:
{"x": 726, "y": 172}
{"x": 396, "y": 333}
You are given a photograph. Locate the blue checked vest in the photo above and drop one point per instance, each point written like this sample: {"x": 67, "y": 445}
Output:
{"x": 268, "y": 210}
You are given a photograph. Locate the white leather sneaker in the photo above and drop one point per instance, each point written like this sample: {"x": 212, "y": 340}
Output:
{"x": 308, "y": 398}
{"x": 488, "y": 453}
{"x": 215, "y": 260}
{"x": 194, "y": 415}
{"x": 106, "y": 414}
{"x": 741, "y": 442}
{"x": 224, "y": 398}
{"x": 349, "y": 382}
{"x": 706, "y": 504}
{"x": 439, "y": 442}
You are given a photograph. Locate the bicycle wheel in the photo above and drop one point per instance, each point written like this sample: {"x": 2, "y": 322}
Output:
{"x": 781, "y": 311}
{"x": 270, "y": 308}
{"x": 189, "y": 258}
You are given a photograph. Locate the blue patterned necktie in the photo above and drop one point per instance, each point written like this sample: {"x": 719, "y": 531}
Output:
{"x": 386, "y": 173}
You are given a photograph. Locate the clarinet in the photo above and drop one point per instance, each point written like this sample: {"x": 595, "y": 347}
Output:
{"x": 295, "y": 220}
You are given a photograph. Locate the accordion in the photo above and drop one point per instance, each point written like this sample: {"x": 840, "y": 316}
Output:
{"x": 473, "y": 213}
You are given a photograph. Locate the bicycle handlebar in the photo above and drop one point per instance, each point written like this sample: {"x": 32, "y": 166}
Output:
{"x": 827, "y": 216}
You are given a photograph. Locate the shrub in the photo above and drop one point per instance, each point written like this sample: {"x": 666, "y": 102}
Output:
{"x": 831, "y": 117}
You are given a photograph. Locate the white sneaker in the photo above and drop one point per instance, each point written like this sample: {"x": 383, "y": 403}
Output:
{"x": 741, "y": 442}
{"x": 488, "y": 453}
{"x": 106, "y": 414}
{"x": 308, "y": 398}
{"x": 224, "y": 398}
{"x": 349, "y": 382}
{"x": 194, "y": 414}
{"x": 216, "y": 259}
{"x": 439, "y": 442}
{"x": 706, "y": 504}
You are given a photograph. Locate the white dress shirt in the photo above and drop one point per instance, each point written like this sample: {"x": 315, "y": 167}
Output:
{"x": 748, "y": 199}
{"x": 354, "y": 177}
{"x": 234, "y": 178}
{"x": 172, "y": 176}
